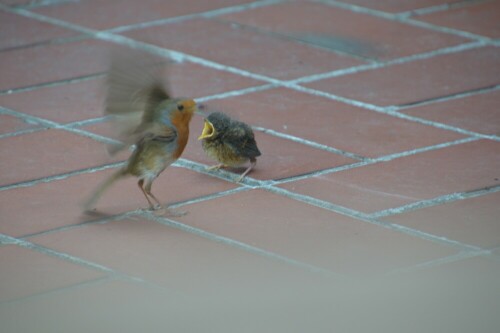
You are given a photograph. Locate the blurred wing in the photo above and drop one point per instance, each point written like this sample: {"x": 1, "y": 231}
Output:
{"x": 160, "y": 132}
{"x": 241, "y": 139}
{"x": 134, "y": 85}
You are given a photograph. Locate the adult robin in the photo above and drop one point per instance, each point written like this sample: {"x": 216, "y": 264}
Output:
{"x": 137, "y": 99}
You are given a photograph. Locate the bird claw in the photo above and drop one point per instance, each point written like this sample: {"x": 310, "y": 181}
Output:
{"x": 215, "y": 167}
{"x": 165, "y": 211}
{"x": 156, "y": 207}
{"x": 175, "y": 213}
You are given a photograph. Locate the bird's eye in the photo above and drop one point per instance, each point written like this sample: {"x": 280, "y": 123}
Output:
{"x": 180, "y": 107}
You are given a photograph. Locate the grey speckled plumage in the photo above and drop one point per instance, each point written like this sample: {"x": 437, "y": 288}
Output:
{"x": 230, "y": 142}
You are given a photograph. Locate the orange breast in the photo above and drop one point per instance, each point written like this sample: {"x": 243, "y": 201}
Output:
{"x": 182, "y": 139}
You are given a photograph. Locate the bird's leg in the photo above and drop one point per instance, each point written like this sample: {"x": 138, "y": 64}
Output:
{"x": 147, "y": 190}
{"x": 253, "y": 161}
{"x": 159, "y": 208}
{"x": 141, "y": 183}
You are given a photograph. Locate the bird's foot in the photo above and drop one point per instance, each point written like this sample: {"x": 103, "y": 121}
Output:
{"x": 215, "y": 167}
{"x": 166, "y": 211}
{"x": 175, "y": 213}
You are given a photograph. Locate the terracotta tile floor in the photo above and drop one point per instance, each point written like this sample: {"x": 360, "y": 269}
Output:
{"x": 378, "y": 190}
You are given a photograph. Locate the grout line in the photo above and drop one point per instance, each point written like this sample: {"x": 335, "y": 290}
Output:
{"x": 76, "y": 286}
{"x": 439, "y": 8}
{"x": 45, "y": 3}
{"x": 387, "y": 63}
{"x": 344, "y": 100}
{"x": 209, "y": 197}
{"x": 317, "y": 202}
{"x": 53, "y": 253}
{"x": 221, "y": 174}
{"x": 207, "y": 14}
{"x": 435, "y": 201}
{"x": 366, "y": 218}
{"x": 49, "y": 41}
{"x": 54, "y": 125}
{"x": 462, "y": 255}
{"x": 310, "y": 143}
{"x": 431, "y": 237}
{"x": 435, "y": 124}
{"x": 443, "y": 29}
{"x": 402, "y": 19}
{"x": 52, "y": 84}
{"x": 102, "y": 220}
{"x": 61, "y": 176}
{"x": 21, "y": 132}
{"x": 323, "y": 172}
{"x": 234, "y": 93}
{"x": 4, "y": 239}
{"x": 473, "y": 92}
{"x": 86, "y": 122}
{"x": 47, "y": 19}
{"x": 180, "y": 56}
{"x": 91, "y": 135}
{"x": 391, "y": 157}
{"x": 370, "y": 161}
{"x": 239, "y": 245}
{"x": 132, "y": 213}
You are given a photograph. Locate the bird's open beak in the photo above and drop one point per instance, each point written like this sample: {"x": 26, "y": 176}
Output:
{"x": 208, "y": 130}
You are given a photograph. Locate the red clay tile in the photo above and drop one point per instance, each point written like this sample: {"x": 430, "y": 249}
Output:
{"x": 419, "y": 80}
{"x": 28, "y": 210}
{"x": 395, "y": 6}
{"x": 109, "y": 306}
{"x": 479, "y": 113}
{"x": 10, "y": 124}
{"x": 242, "y": 48}
{"x": 480, "y": 269}
{"x": 480, "y": 18}
{"x": 309, "y": 234}
{"x": 466, "y": 292}
{"x": 281, "y": 158}
{"x": 122, "y": 307}
{"x": 375, "y": 187}
{"x": 344, "y": 30}
{"x": 331, "y": 123}
{"x": 192, "y": 80}
{"x": 35, "y": 65}
{"x": 25, "y": 272}
{"x": 63, "y": 103}
{"x": 167, "y": 256}
{"x": 472, "y": 221}
{"x": 48, "y": 153}
{"x": 116, "y": 13}
{"x": 16, "y": 31}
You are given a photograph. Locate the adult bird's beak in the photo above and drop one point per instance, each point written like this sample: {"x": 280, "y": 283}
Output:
{"x": 208, "y": 130}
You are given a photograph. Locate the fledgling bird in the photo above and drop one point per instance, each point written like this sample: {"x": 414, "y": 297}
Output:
{"x": 138, "y": 101}
{"x": 230, "y": 142}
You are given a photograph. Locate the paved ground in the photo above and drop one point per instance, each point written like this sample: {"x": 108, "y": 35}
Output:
{"x": 375, "y": 205}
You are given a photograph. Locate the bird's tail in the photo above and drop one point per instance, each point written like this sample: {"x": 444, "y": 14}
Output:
{"x": 90, "y": 202}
